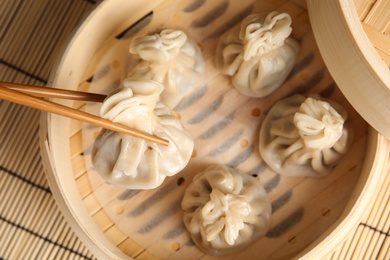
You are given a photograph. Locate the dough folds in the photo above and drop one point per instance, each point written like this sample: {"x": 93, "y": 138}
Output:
{"x": 170, "y": 58}
{"x": 135, "y": 163}
{"x": 304, "y": 136}
{"x": 258, "y": 53}
{"x": 225, "y": 210}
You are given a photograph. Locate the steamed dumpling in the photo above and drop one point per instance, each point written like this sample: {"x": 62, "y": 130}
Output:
{"x": 225, "y": 210}
{"x": 258, "y": 53}
{"x": 132, "y": 162}
{"x": 304, "y": 136}
{"x": 170, "y": 58}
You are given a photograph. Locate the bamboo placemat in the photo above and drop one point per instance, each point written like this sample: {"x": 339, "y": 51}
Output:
{"x": 31, "y": 225}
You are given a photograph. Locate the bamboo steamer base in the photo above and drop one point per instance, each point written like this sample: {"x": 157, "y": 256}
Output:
{"x": 309, "y": 215}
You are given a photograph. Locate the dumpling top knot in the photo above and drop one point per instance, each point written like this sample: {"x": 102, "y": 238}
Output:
{"x": 225, "y": 214}
{"x": 134, "y": 104}
{"x": 139, "y": 95}
{"x": 319, "y": 125}
{"x": 171, "y": 58}
{"x": 260, "y": 38}
{"x": 225, "y": 210}
{"x": 159, "y": 47}
{"x": 304, "y": 136}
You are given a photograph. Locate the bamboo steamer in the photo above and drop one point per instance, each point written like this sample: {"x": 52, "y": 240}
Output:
{"x": 310, "y": 216}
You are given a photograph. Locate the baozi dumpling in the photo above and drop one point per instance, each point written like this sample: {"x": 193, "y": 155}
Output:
{"x": 258, "y": 53}
{"x": 132, "y": 162}
{"x": 170, "y": 58}
{"x": 225, "y": 210}
{"x": 304, "y": 136}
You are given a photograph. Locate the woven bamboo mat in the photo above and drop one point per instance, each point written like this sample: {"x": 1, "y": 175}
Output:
{"x": 31, "y": 225}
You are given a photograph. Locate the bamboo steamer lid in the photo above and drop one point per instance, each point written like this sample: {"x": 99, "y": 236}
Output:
{"x": 352, "y": 60}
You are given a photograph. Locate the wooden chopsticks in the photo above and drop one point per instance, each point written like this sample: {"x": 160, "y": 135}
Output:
{"x": 48, "y": 106}
{"x": 55, "y": 92}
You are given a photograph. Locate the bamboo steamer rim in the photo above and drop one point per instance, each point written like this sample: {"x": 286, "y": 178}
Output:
{"x": 352, "y": 60}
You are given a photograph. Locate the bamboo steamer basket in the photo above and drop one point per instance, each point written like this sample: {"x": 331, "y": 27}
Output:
{"x": 310, "y": 216}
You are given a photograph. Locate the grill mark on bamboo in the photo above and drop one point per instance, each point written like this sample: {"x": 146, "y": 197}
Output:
{"x": 272, "y": 184}
{"x": 258, "y": 169}
{"x": 136, "y": 27}
{"x": 208, "y": 110}
{"x": 231, "y": 22}
{"x": 219, "y": 126}
{"x": 211, "y": 15}
{"x": 328, "y": 91}
{"x": 153, "y": 199}
{"x": 175, "y": 232}
{"x": 128, "y": 194}
{"x": 286, "y": 224}
{"x": 228, "y": 143}
{"x": 90, "y": 127}
{"x": 116, "y": 84}
{"x": 281, "y": 201}
{"x": 191, "y": 99}
{"x": 89, "y": 80}
{"x": 190, "y": 243}
{"x": 194, "y": 6}
{"x": 101, "y": 73}
{"x": 241, "y": 157}
{"x": 311, "y": 83}
{"x": 300, "y": 65}
{"x": 161, "y": 217}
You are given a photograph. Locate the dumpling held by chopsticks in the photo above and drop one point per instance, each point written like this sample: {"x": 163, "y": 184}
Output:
{"x": 132, "y": 162}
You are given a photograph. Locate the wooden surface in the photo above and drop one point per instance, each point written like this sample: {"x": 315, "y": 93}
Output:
{"x": 27, "y": 201}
